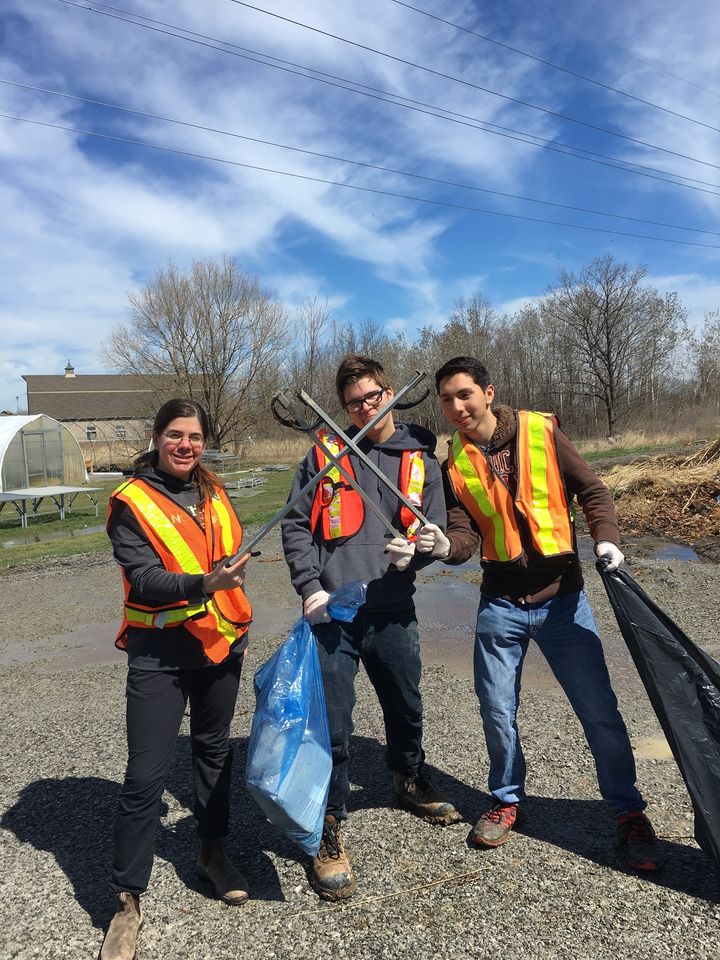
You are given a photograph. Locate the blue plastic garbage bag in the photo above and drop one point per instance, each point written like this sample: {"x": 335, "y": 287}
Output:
{"x": 289, "y": 757}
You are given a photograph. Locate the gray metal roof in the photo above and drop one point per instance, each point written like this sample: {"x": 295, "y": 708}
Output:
{"x": 101, "y": 396}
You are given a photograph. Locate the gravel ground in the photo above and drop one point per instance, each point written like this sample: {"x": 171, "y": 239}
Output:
{"x": 552, "y": 891}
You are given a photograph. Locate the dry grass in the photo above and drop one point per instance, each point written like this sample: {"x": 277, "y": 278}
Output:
{"x": 670, "y": 496}
{"x": 290, "y": 450}
{"x": 637, "y": 439}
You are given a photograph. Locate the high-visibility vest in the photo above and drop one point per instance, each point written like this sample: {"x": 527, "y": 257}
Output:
{"x": 540, "y": 496}
{"x": 340, "y": 508}
{"x": 183, "y": 546}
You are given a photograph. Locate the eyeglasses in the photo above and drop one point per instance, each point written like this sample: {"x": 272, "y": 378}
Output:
{"x": 371, "y": 399}
{"x": 175, "y": 436}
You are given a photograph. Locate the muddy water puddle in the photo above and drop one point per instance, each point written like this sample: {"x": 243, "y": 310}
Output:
{"x": 446, "y": 601}
{"x": 447, "y": 607}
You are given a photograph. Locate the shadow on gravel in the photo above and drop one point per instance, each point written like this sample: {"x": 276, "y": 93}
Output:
{"x": 71, "y": 818}
{"x": 371, "y": 781}
{"x": 251, "y": 835}
{"x": 584, "y": 828}
{"x": 587, "y": 829}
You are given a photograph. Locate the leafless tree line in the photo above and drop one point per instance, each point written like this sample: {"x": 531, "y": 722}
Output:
{"x": 602, "y": 349}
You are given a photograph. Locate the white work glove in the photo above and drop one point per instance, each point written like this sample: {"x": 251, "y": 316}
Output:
{"x": 400, "y": 551}
{"x": 604, "y": 550}
{"x": 315, "y": 607}
{"x": 432, "y": 540}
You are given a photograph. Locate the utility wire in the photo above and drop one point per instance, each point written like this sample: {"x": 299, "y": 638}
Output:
{"x": 394, "y": 99}
{"x": 555, "y": 66}
{"x": 474, "y": 86}
{"x": 633, "y": 56}
{"x": 351, "y": 186}
{"x": 357, "y": 163}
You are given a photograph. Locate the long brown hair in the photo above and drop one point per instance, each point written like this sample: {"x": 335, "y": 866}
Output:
{"x": 206, "y": 480}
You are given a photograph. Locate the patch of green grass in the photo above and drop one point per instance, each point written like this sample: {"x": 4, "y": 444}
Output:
{"x": 267, "y": 500}
{"x": 49, "y": 537}
{"x": 33, "y": 554}
{"x": 80, "y": 515}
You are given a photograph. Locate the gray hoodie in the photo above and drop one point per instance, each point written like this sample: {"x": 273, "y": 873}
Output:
{"x": 318, "y": 565}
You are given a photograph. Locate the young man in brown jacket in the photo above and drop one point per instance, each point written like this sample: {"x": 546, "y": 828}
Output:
{"x": 510, "y": 481}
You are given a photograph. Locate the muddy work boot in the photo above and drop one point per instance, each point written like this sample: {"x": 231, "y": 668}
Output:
{"x": 415, "y": 792}
{"x": 330, "y": 871}
{"x": 226, "y": 880}
{"x": 636, "y": 842}
{"x": 494, "y": 826}
{"x": 121, "y": 938}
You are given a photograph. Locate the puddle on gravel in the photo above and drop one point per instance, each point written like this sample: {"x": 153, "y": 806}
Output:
{"x": 23, "y": 539}
{"x": 653, "y": 748}
{"x": 446, "y": 602}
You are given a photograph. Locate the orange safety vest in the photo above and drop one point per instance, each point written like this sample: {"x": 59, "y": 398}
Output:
{"x": 184, "y": 547}
{"x": 341, "y": 508}
{"x": 540, "y": 495}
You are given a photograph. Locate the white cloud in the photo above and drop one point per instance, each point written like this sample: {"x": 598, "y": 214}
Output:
{"x": 85, "y": 221}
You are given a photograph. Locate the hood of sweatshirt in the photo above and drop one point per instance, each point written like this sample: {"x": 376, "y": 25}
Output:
{"x": 407, "y": 436}
{"x": 183, "y": 492}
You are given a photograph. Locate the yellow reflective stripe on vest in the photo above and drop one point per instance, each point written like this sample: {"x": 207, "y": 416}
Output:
{"x": 223, "y": 626}
{"x": 333, "y": 508}
{"x": 225, "y": 525}
{"x": 162, "y": 618}
{"x": 163, "y": 529}
{"x": 479, "y": 495}
{"x": 536, "y": 425}
{"x": 415, "y": 487}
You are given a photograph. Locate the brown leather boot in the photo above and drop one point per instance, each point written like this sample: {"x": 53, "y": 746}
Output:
{"x": 121, "y": 938}
{"x": 415, "y": 792}
{"x": 214, "y": 866}
{"x": 330, "y": 871}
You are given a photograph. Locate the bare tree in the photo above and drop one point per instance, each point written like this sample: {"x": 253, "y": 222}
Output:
{"x": 208, "y": 334}
{"x": 609, "y": 318}
{"x": 706, "y": 360}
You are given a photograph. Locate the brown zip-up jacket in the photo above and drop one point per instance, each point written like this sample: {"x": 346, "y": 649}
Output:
{"x": 531, "y": 578}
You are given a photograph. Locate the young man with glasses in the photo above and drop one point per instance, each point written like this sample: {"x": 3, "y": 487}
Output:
{"x": 331, "y": 538}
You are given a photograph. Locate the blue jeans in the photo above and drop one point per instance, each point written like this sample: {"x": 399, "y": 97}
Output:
{"x": 565, "y": 631}
{"x": 389, "y": 647}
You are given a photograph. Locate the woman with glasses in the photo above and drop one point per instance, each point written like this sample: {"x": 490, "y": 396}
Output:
{"x": 184, "y": 630}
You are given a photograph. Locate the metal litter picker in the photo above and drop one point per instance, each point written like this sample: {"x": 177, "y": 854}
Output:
{"x": 396, "y": 401}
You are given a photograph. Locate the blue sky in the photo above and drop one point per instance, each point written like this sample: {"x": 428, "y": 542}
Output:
{"x": 84, "y": 221}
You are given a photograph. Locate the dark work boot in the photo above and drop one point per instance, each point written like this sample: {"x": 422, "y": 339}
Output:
{"x": 330, "y": 871}
{"x": 415, "y": 792}
{"x": 121, "y": 938}
{"x": 214, "y": 866}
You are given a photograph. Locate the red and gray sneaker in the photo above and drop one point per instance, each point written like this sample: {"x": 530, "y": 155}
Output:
{"x": 494, "y": 826}
{"x": 636, "y": 842}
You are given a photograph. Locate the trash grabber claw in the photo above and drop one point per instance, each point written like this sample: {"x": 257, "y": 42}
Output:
{"x": 352, "y": 443}
{"x": 334, "y": 460}
{"x": 417, "y": 378}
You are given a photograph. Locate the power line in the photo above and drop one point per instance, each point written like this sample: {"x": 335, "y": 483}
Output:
{"x": 633, "y": 56}
{"x": 357, "y": 163}
{"x": 353, "y": 186}
{"x": 474, "y": 86}
{"x": 555, "y": 66}
{"x": 397, "y": 100}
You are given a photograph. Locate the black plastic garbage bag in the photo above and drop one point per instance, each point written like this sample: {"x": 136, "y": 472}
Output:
{"x": 683, "y": 684}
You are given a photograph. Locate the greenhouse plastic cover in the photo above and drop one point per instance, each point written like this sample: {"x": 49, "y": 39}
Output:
{"x": 683, "y": 684}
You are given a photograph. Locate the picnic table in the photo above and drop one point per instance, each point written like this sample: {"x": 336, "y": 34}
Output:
{"x": 62, "y": 497}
